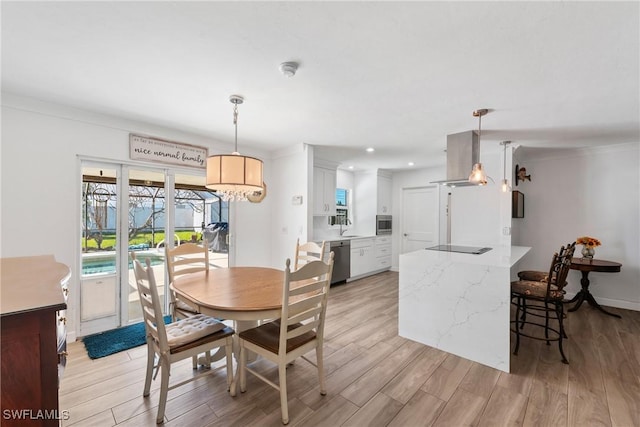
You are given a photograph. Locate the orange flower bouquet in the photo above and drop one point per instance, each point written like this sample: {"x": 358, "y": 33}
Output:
{"x": 589, "y": 243}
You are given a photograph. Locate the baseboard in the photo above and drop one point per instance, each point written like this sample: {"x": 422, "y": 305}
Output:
{"x": 608, "y": 302}
{"x": 71, "y": 336}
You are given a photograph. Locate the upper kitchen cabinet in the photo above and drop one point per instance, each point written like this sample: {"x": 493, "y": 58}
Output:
{"x": 324, "y": 191}
{"x": 372, "y": 196}
{"x": 384, "y": 194}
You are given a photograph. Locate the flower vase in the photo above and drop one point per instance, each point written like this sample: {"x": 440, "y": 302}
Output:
{"x": 588, "y": 252}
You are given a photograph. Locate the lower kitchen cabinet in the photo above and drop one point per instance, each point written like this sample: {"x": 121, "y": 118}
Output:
{"x": 362, "y": 257}
{"x": 383, "y": 252}
{"x": 370, "y": 255}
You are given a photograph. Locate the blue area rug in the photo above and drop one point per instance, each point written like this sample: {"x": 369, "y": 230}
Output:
{"x": 116, "y": 340}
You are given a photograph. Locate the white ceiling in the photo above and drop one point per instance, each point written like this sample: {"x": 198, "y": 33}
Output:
{"x": 397, "y": 76}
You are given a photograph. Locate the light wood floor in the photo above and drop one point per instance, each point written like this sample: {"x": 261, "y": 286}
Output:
{"x": 375, "y": 378}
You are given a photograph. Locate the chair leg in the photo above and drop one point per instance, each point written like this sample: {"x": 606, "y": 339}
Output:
{"x": 546, "y": 322}
{"x": 228, "y": 346}
{"x": 151, "y": 355}
{"x": 320, "y": 365}
{"x": 517, "y": 328}
{"x": 164, "y": 389}
{"x": 561, "y": 334}
{"x": 523, "y": 318}
{"x": 284, "y": 407}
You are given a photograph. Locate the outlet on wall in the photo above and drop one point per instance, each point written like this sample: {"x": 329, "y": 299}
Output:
{"x": 506, "y": 231}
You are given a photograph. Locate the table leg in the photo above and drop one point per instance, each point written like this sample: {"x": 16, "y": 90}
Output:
{"x": 584, "y": 294}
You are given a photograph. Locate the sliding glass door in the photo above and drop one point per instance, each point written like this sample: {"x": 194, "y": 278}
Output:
{"x": 143, "y": 210}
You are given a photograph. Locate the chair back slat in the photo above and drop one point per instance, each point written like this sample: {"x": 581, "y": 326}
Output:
{"x": 559, "y": 270}
{"x": 305, "y": 294}
{"x": 308, "y": 252}
{"x": 187, "y": 258}
{"x": 150, "y": 303}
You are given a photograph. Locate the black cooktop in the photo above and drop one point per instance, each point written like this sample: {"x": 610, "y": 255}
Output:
{"x": 461, "y": 249}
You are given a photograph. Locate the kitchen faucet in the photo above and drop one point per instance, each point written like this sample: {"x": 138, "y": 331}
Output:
{"x": 346, "y": 222}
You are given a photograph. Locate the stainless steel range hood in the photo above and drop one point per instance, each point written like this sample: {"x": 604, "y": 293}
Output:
{"x": 463, "y": 151}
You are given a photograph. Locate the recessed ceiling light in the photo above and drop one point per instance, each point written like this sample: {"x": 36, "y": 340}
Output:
{"x": 351, "y": 167}
{"x": 370, "y": 150}
{"x": 411, "y": 163}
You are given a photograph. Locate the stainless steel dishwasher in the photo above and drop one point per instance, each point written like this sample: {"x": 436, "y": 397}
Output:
{"x": 341, "y": 260}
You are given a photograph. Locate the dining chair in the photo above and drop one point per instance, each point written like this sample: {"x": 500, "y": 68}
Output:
{"x": 307, "y": 252}
{"x": 299, "y": 330}
{"x": 184, "y": 259}
{"x": 542, "y": 299}
{"x": 185, "y": 338}
{"x": 537, "y": 275}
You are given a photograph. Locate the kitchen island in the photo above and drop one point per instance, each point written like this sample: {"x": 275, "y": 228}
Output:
{"x": 459, "y": 302}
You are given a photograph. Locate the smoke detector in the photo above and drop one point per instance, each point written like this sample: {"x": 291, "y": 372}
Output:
{"x": 289, "y": 68}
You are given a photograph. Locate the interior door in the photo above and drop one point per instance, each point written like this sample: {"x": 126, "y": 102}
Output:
{"x": 420, "y": 218}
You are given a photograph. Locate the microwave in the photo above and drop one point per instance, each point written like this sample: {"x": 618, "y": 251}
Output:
{"x": 383, "y": 224}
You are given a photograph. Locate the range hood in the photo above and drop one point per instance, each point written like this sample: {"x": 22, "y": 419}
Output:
{"x": 463, "y": 151}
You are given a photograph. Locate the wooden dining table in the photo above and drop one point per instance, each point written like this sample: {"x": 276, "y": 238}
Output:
{"x": 236, "y": 293}
{"x": 245, "y": 295}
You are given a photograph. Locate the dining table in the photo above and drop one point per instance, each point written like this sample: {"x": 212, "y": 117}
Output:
{"x": 244, "y": 295}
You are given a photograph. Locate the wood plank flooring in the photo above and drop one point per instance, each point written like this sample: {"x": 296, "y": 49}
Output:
{"x": 376, "y": 378}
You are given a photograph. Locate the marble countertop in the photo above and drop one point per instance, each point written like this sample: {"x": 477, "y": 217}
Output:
{"x": 499, "y": 256}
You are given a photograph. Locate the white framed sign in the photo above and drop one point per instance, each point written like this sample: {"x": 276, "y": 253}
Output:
{"x": 159, "y": 150}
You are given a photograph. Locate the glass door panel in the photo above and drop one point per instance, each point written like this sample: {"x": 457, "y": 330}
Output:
{"x": 99, "y": 242}
{"x": 201, "y": 216}
{"x": 146, "y": 224}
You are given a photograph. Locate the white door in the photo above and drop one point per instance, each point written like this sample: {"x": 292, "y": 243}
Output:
{"x": 420, "y": 218}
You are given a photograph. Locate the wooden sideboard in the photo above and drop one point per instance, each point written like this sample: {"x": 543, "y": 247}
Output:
{"x": 33, "y": 334}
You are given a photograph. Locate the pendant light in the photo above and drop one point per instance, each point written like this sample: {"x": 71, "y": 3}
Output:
{"x": 505, "y": 184}
{"x": 478, "y": 175}
{"x": 232, "y": 176}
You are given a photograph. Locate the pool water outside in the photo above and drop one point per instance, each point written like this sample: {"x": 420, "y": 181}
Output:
{"x": 105, "y": 263}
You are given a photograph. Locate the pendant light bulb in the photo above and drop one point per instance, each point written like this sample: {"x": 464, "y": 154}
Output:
{"x": 505, "y": 183}
{"x": 478, "y": 175}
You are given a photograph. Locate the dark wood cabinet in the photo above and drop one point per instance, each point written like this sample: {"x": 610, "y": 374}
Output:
{"x": 33, "y": 339}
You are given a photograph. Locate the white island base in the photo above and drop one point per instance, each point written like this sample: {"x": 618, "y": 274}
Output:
{"x": 459, "y": 303}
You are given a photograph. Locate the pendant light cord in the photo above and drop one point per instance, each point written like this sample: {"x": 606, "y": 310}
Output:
{"x": 235, "y": 123}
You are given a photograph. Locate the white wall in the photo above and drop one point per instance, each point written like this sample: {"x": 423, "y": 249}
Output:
{"x": 40, "y": 179}
{"x": 480, "y": 213}
{"x": 289, "y": 178}
{"x": 585, "y": 192}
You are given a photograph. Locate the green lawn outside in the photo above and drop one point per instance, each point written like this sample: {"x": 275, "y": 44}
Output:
{"x": 109, "y": 239}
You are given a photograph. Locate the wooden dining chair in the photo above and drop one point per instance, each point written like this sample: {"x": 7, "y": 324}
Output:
{"x": 185, "y": 338}
{"x": 307, "y": 252}
{"x": 543, "y": 299}
{"x": 184, "y": 259}
{"x": 299, "y": 330}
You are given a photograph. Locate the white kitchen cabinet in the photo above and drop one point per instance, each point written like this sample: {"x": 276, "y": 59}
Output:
{"x": 363, "y": 260}
{"x": 324, "y": 191}
{"x": 383, "y": 252}
{"x": 384, "y": 195}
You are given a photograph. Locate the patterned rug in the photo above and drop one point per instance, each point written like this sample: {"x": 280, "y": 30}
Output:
{"x": 116, "y": 340}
